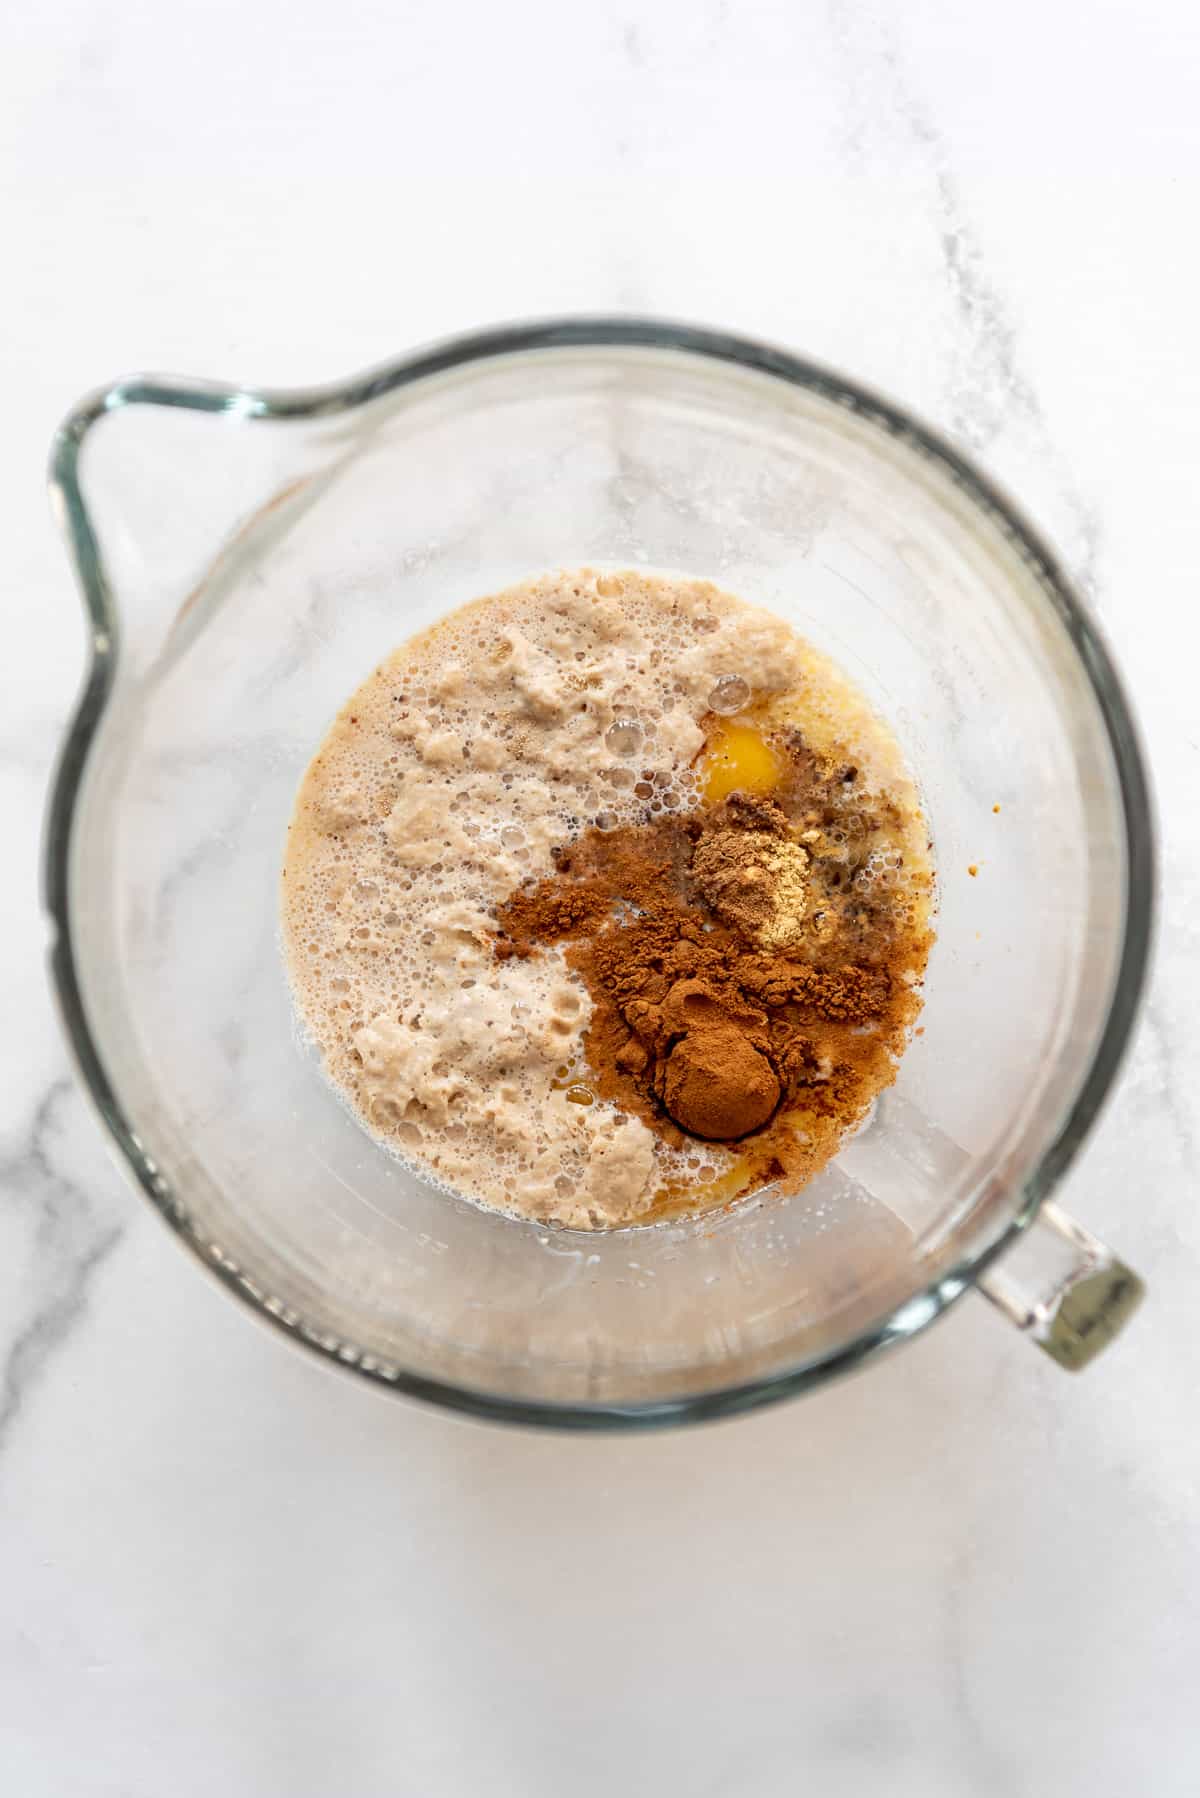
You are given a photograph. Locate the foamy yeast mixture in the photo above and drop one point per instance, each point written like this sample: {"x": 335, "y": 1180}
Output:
{"x": 472, "y": 752}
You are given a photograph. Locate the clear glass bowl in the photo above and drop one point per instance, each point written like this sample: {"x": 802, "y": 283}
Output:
{"x": 246, "y": 557}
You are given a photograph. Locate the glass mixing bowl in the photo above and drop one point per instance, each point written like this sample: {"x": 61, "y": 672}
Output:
{"x": 246, "y": 557}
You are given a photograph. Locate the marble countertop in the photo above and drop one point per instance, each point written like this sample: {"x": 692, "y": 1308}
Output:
{"x": 227, "y": 1569}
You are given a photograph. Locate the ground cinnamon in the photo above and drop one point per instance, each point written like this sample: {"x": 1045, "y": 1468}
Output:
{"x": 716, "y": 1079}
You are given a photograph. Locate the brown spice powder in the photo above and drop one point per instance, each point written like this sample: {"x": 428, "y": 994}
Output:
{"x": 699, "y": 1026}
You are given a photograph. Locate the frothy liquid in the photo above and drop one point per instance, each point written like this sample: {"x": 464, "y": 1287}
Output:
{"x": 448, "y": 780}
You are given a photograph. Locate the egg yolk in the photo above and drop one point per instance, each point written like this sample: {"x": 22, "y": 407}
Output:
{"x": 736, "y": 759}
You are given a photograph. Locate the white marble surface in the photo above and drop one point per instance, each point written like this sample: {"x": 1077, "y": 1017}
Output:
{"x": 225, "y": 1569}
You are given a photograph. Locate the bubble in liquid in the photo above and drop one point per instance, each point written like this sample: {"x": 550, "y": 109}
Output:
{"x": 606, "y": 820}
{"x": 624, "y": 736}
{"x": 512, "y": 836}
{"x": 729, "y": 695}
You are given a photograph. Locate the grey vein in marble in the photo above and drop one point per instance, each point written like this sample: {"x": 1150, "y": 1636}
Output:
{"x": 1157, "y": 1058}
{"x": 992, "y": 1771}
{"x": 73, "y": 1232}
{"x": 987, "y": 388}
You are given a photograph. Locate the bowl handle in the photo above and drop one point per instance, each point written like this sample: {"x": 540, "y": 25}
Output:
{"x": 1060, "y": 1285}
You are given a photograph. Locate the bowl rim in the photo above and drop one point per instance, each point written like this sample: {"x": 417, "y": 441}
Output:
{"x": 596, "y": 332}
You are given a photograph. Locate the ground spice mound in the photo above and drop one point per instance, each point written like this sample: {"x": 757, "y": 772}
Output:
{"x": 742, "y": 991}
{"x": 753, "y": 875}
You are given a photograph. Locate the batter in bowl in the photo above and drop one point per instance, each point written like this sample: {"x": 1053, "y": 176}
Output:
{"x": 607, "y": 898}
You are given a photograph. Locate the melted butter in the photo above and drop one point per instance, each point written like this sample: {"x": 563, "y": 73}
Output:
{"x": 737, "y": 758}
{"x": 683, "y": 1198}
